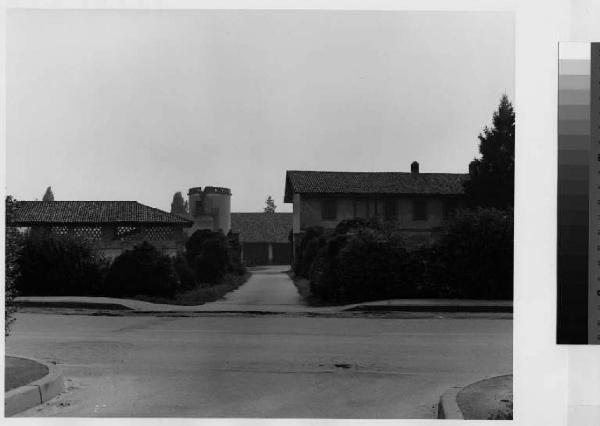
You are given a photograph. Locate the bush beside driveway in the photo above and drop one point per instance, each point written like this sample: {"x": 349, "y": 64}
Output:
{"x": 363, "y": 260}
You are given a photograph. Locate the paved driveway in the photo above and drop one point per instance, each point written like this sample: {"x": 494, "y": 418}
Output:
{"x": 269, "y": 286}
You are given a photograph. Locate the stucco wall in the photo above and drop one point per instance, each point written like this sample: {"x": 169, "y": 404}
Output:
{"x": 308, "y": 212}
{"x": 296, "y": 213}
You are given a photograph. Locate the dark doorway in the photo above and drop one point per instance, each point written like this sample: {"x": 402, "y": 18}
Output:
{"x": 282, "y": 253}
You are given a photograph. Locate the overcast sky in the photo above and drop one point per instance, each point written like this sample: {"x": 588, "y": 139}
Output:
{"x": 135, "y": 105}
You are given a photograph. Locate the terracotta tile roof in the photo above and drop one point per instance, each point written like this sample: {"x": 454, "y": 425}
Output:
{"x": 78, "y": 212}
{"x": 262, "y": 227}
{"x": 315, "y": 182}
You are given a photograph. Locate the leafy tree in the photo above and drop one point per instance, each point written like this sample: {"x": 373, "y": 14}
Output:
{"x": 179, "y": 205}
{"x": 12, "y": 247}
{"x": 270, "y": 205}
{"x": 48, "y": 195}
{"x": 492, "y": 177}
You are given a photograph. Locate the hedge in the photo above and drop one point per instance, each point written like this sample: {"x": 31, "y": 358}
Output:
{"x": 56, "y": 265}
{"x": 475, "y": 254}
{"x": 306, "y": 252}
{"x": 365, "y": 260}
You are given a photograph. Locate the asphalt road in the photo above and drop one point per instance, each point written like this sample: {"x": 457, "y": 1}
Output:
{"x": 260, "y": 366}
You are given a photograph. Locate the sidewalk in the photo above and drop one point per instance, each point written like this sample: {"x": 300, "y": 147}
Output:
{"x": 407, "y": 305}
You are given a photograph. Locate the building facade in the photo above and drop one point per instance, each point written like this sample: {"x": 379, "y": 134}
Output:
{"x": 417, "y": 203}
{"x": 113, "y": 226}
{"x": 263, "y": 237}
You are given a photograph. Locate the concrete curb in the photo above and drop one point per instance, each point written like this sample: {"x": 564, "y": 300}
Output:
{"x": 35, "y": 393}
{"x": 448, "y": 407}
{"x": 431, "y": 308}
{"x": 130, "y": 306}
{"x": 72, "y": 305}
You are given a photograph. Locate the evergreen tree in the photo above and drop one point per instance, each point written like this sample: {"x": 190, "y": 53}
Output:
{"x": 491, "y": 180}
{"x": 270, "y": 205}
{"x": 178, "y": 205}
{"x": 49, "y": 195}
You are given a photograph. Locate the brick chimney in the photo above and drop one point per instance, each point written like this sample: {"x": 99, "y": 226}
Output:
{"x": 414, "y": 167}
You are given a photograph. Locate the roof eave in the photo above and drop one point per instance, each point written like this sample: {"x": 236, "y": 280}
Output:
{"x": 383, "y": 194}
{"x": 288, "y": 196}
{"x": 26, "y": 223}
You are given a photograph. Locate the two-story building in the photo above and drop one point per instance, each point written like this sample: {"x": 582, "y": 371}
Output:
{"x": 418, "y": 203}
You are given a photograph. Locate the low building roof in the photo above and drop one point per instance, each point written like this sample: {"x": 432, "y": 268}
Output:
{"x": 384, "y": 183}
{"x": 29, "y": 213}
{"x": 262, "y": 227}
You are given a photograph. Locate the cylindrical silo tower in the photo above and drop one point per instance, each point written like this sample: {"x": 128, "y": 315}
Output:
{"x": 196, "y": 199}
{"x": 210, "y": 208}
{"x": 218, "y": 204}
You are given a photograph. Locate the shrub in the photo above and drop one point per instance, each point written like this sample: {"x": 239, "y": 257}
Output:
{"x": 347, "y": 226}
{"x": 324, "y": 278}
{"x": 213, "y": 261}
{"x": 368, "y": 267}
{"x": 418, "y": 268}
{"x": 185, "y": 274}
{"x": 235, "y": 254}
{"x": 208, "y": 254}
{"x": 362, "y": 260}
{"x": 142, "y": 270}
{"x": 474, "y": 257}
{"x": 193, "y": 245}
{"x": 311, "y": 241}
{"x": 56, "y": 265}
{"x": 12, "y": 248}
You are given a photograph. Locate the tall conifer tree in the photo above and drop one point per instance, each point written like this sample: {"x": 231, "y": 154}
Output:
{"x": 48, "y": 195}
{"x": 491, "y": 180}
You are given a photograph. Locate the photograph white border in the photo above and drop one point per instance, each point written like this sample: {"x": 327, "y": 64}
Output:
{"x": 545, "y": 393}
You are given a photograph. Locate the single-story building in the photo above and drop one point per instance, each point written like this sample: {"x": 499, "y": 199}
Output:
{"x": 114, "y": 226}
{"x": 417, "y": 202}
{"x": 264, "y": 237}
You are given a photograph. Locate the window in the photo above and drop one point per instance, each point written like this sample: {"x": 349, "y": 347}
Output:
{"x": 329, "y": 209}
{"x": 420, "y": 210}
{"x": 389, "y": 209}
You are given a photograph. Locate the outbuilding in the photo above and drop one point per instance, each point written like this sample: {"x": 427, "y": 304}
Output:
{"x": 113, "y": 226}
{"x": 264, "y": 237}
